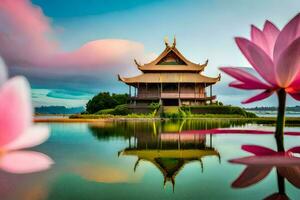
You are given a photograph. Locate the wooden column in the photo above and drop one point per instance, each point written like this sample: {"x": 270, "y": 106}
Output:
{"x": 129, "y": 93}
{"x": 179, "y": 100}
{"x": 146, "y": 89}
{"x": 161, "y": 90}
{"x": 135, "y": 95}
{"x": 158, "y": 91}
{"x": 129, "y": 88}
{"x": 210, "y": 93}
{"x": 195, "y": 93}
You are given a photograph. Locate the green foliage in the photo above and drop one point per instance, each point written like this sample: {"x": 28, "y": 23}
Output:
{"x": 105, "y": 111}
{"x": 154, "y": 106}
{"x": 120, "y": 98}
{"x": 118, "y": 110}
{"x": 121, "y": 110}
{"x": 173, "y": 112}
{"x": 217, "y": 109}
{"x": 219, "y": 103}
{"x": 104, "y": 100}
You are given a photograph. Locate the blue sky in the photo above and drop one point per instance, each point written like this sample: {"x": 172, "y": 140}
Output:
{"x": 204, "y": 30}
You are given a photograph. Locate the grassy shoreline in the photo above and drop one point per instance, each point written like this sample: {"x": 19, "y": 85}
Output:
{"x": 98, "y": 118}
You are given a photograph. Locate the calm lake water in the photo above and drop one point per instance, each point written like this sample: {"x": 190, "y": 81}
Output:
{"x": 146, "y": 160}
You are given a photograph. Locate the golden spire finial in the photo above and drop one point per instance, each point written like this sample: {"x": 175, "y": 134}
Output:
{"x": 174, "y": 41}
{"x": 166, "y": 39}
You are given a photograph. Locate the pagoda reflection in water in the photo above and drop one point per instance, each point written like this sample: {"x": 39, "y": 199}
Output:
{"x": 169, "y": 152}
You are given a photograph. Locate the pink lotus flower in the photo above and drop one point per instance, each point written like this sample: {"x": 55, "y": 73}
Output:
{"x": 275, "y": 55}
{"x": 17, "y": 130}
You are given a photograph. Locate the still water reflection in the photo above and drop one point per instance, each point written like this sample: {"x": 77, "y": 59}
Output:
{"x": 160, "y": 160}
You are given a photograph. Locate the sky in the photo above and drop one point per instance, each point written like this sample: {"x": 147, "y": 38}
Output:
{"x": 71, "y": 50}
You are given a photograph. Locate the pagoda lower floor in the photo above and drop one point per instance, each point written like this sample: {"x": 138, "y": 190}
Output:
{"x": 172, "y": 94}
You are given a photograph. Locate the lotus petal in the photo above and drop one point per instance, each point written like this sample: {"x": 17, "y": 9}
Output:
{"x": 271, "y": 33}
{"x": 250, "y": 176}
{"x": 261, "y": 62}
{"x": 22, "y": 162}
{"x": 292, "y": 174}
{"x": 244, "y": 86}
{"x": 259, "y": 97}
{"x": 294, "y": 150}
{"x": 288, "y": 65}
{"x": 15, "y": 109}
{"x": 33, "y": 136}
{"x": 258, "y": 37}
{"x": 245, "y": 77}
{"x": 258, "y": 150}
{"x": 296, "y": 96}
{"x": 288, "y": 34}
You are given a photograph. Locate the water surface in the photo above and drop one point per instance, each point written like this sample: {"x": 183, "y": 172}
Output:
{"x": 145, "y": 160}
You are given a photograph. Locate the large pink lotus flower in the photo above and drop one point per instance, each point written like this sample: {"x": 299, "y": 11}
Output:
{"x": 17, "y": 130}
{"x": 275, "y": 55}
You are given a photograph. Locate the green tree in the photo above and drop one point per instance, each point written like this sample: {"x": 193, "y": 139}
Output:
{"x": 120, "y": 98}
{"x": 104, "y": 100}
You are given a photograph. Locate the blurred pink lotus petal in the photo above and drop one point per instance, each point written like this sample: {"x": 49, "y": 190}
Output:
{"x": 15, "y": 109}
{"x": 275, "y": 56}
{"x": 33, "y": 136}
{"x": 251, "y": 175}
{"x": 16, "y": 128}
{"x": 20, "y": 162}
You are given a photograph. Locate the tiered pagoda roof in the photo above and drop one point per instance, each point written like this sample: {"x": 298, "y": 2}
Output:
{"x": 170, "y": 67}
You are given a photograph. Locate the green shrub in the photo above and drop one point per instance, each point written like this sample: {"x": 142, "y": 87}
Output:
{"x": 217, "y": 109}
{"x": 105, "y": 111}
{"x": 121, "y": 110}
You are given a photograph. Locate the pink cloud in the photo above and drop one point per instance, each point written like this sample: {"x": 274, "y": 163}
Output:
{"x": 27, "y": 39}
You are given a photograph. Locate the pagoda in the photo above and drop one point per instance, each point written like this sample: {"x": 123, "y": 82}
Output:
{"x": 171, "y": 80}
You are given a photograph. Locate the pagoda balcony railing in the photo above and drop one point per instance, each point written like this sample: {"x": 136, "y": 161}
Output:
{"x": 182, "y": 95}
{"x": 172, "y": 95}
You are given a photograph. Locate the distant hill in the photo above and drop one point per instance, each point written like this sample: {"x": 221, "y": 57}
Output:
{"x": 58, "y": 110}
{"x": 291, "y": 108}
